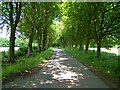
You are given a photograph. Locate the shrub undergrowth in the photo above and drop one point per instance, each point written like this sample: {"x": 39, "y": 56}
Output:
{"x": 24, "y": 63}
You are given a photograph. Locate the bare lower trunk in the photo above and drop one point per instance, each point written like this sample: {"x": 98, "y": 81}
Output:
{"x": 39, "y": 35}
{"x": 98, "y": 48}
{"x": 39, "y": 43}
{"x": 11, "y": 46}
{"x": 81, "y": 45}
{"x": 30, "y": 46}
{"x": 39, "y": 47}
{"x": 13, "y": 25}
{"x": 44, "y": 39}
{"x": 30, "y": 43}
{"x": 87, "y": 45}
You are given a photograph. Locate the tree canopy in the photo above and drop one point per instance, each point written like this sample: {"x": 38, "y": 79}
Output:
{"x": 66, "y": 24}
{"x": 88, "y": 22}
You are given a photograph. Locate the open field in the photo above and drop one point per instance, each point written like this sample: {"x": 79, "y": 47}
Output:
{"x": 7, "y": 48}
{"x": 110, "y": 50}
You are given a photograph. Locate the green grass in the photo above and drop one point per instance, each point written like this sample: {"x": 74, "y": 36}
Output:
{"x": 107, "y": 63}
{"x": 0, "y": 65}
{"x": 24, "y": 63}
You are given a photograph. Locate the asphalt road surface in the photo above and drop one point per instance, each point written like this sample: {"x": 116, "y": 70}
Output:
{"x": 61, "y": 71}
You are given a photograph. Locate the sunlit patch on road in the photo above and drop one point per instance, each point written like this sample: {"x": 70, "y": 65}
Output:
{"x": 62, "y": 72}
{"x": 46, "y": 82}
{"x": 62, "y": 58}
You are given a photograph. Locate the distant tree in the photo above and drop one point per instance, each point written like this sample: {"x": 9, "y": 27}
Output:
{"x": 21, "y": 41}
{"x": 4, "y": 42}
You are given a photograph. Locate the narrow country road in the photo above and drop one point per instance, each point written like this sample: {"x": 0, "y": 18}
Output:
{"x": 61, "y": 71}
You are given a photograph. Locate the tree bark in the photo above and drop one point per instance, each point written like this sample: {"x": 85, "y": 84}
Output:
{"x": 39, "y": 47}
{"x": 30, "y": 43}
{"x": 13, "y": 25}
{"x": 81, "y": 46}
{"x": 12, "y": 45}
{"x": 88, "y": 35}
{"x": 98, "y": 48}
{"x": 87, "y": 45}
{"x": 44, "y": 39}
{"x": 39, "y": 40}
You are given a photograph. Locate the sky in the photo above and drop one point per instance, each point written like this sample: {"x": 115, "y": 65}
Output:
{"x": 4, "y": 33}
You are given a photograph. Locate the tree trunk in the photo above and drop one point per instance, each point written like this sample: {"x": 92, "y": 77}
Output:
{"x": 30, "y": 43}
{"x": 88, "y": 36}
{"x": 30, "y": 46}
{"x": 87, "y": 45}
{"x": 12, "y": 45}
{"x": 39, "y": 47}
{"x": 44, "y": 39}
{"x": 98, "y": 48}
{"x": 39, "y": 41}
{"x": 81, "y": 45}
{"x": 13, "y": 25}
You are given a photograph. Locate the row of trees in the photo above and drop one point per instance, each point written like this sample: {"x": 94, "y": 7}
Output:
{"x": 33, "y": 20}
{"x": 88, "y": 24}
{"x": 70, "y": 24}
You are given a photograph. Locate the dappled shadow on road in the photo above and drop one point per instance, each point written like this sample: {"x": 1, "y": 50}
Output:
{"x": 61, "y": 71}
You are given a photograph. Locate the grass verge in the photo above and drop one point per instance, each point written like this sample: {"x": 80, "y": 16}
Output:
{"x": 0, "y": 65}
{"x": 24, "y": 63}
{"x": 108, "y": 63}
